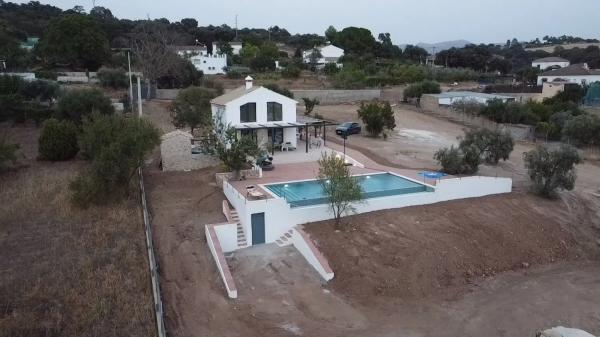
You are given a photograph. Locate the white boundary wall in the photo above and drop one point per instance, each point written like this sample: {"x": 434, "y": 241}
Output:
{"x": 214, "y": 245}
{"x": 313, "y": 256}
{"x": 280, "y": 217}
{"x": 227, "y": 234}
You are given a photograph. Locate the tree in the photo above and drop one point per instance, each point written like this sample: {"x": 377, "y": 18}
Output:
{"x": 492, "y": 145}
{"x": 415, "y": 53}
{"x": 355, "y": 40}
{"x": 123, "y": 145}
{"x": 224, "y": 48}
{"x": 113, "y": 78}
{"x": 8, "y": 153}
{"x": 314, "y": 57}
{"x": 76, "y": 40}
{"x": 341, "y": 189}
{"x": 416, "y": 90}
{"x": 78, "y": 103}
{"x": 235, "y": 152}
{"x": 192, "y": 108}
{"x": 331, "y": 34}
{"x": 458, "y": 160}
{"x": 550, "y": 170}
{"x": 309, "y": 105}
{"x": 58, "y": 140}
{"x": 582, "y": 130}
{"x": 377, "y": 117}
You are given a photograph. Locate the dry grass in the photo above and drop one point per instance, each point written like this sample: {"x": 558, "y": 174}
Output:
{"x": 66, "y": 271}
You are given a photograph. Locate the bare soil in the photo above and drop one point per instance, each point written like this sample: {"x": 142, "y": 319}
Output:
{"x": 66, "y": 271}
{"x": 307, "y": 80}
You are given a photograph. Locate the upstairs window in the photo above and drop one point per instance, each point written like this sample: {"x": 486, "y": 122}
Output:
{"x": 274, "y": 112}
{"x": 248, "y": 113}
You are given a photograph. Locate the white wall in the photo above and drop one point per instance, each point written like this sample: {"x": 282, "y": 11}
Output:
{"x": 210, "y": 64}
{"x": 280, "y": 217}
{"x": 227, "y": 234}
{"x": 587, "y": 79}
{"x": 329, "y": 54}
{"x": 478, "y": 99}
{"x": 303, "y": 244}
{"x": 546, "y": 65}
{"x": 217, "y": 253}
{"x": 260, "y": 97}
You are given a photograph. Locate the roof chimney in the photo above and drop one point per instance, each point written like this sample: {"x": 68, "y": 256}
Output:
{"x": 249, "y": 82}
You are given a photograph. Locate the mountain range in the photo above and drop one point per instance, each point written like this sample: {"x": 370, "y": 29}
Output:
{"x": 439, "y": 46}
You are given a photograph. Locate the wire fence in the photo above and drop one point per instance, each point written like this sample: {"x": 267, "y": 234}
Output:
{"x": 155, "y": 278}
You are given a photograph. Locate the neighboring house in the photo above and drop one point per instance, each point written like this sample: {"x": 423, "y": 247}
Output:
{"x": 236, "y": 46}
{"x": 329, "y": 54}
{"x": 267, "y": 116}
{"x": 209, "y": 63}
{"x": 451, "y": 97}
{"x": 176, "y": 153}
{"x": 550, "y": 63}
{"x": 550, "y": 89}
{"x": 577, "y": 73}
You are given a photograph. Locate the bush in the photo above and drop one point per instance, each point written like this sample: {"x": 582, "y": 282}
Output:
{"x": 377, "y": 117}
{"x": 234, "y": 74}
{"x": 58, "y": 140}
{"x": 40, "y": 90}
{"x": 416, "y": 90}
{"x": 291, "y": 72}
{"x": 8, "y": 153}
{"x": 551, "y": 170}
{"x": 78, "y": 103}
{"x": 118, "y": 148}
{"x": 309, "y": 105}
{"x": 582, "y": 130}
{"x": 46, "y": 74}
{"x": 349, "y": 78}
{"x": 331, "y": 69}
{"x": 282, "y": 91}
{"x": 113, "y": 78}
{"x": 492, "y": 145}
{"x": 456, "y": 160}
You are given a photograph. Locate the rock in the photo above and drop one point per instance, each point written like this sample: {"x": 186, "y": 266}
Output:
{"x": 525, "y": 265}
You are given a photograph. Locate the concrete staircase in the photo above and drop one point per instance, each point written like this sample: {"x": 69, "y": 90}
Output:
{"x": 233, "y": 217}
{"x": 285, "y": 239}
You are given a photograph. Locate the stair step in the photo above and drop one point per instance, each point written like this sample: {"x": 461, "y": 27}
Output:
{"x": 283, "y": 238}
{"x": 288, "y": 235}
{"x": 279, "y": 242}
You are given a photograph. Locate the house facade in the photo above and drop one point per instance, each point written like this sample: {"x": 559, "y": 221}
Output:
{"x": 255, "y": 111}
{"x": 550, "y": 63}
{"x": 575, "y": 74}
{"x": 329, "y": 54}
{"x": 210, "y": 63}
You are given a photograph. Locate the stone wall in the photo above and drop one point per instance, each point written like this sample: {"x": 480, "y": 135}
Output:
{"x": 176, "y": 153}
{"x": 338, "y": 96}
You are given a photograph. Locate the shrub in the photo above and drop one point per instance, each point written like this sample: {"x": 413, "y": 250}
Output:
{"x": 46, "y": 74}
{"x": 456, "y": 160}
{"x": 416, "y": 90}
{"x": 58, "y": 140}
{"x": 40, "y": 90}
{"x": 309, "y": 105}
{"x": 492, "y": 145}
{"x": 377, "y": 117}
{"x": 8, "y": 153}
{"x": 234, "y": 74}
{"x": 78, "y": 103}
{"x": 113, "y": 78}
{"x": 582, "y": 130}
{"x": 120, "y": 147}
{"x": 331, "y": 69}
{"x": 291, "y": 71}
{"x": 283, "y": 91}
{"x": 550, "y": 170}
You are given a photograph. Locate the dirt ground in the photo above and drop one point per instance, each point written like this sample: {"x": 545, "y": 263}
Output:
{"x": 419, "y": 135}
{"x": 65, "y": 271}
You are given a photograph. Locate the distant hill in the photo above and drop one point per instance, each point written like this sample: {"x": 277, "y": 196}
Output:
{"x": 441, "y": 45}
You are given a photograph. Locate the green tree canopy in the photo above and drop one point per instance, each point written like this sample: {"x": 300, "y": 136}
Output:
{"x": 377, "y": 117}
{"x": 192, "y": 108}
{"x": 78, "y": 103}
{"x": 74, "y": 40}
{"x": 552, "y": 170}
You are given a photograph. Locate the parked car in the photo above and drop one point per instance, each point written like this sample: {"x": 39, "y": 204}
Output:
{"x": 348, "y": 128}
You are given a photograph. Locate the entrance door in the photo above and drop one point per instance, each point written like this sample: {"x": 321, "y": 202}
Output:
{"x": 258, "y": 228}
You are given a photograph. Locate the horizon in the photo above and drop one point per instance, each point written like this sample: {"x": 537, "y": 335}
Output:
{"x": 523, "y": 26}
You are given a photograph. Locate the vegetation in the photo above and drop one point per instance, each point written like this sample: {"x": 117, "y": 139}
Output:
{"x": 113, "y": 78}
{"x": 76, "y": 104}
{"x": 377, "y": 117}
{"x": 457, "y": 160}
{"x": 416, "y": 90}
{"x": 22, "y": 100}
{"x": 58, "y": 140}
{"x": 117, "y": 147}
{"x": 234, "y": 152}
{"x": 309, "y": 105}
{"x": 282, "y": 91}
{"x": 552, "y": 170}
{"x": 340, "y": 188}
{"x": 582, "y": 130}
{"x": 8, "y": 153}
{"x": 192, "y": 108}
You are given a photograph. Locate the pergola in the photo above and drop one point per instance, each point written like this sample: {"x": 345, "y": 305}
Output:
{"x": 304, "y": 122}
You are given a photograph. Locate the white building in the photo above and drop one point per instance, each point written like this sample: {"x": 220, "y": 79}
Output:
{"x": 451, "y": 97}
{"x": 576, "y": 74}
{"x": 209, "y": 63}
{"x": 267, "y": 116}
{"x": 329, "y": 54}
{"x": 236, "y": 46}
{"x": 550, "y": 63}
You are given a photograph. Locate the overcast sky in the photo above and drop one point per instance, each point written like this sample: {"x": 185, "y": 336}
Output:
{"x": 408, "y": 21}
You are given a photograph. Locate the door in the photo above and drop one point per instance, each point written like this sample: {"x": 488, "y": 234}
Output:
{"x": 258, "y": 228}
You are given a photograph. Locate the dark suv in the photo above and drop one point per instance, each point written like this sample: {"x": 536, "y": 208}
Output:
{"x": 348, "y": 128}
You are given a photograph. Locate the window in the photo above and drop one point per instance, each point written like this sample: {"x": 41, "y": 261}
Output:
{"x": 274, "y": 112}
{"x": 248, "y": 113}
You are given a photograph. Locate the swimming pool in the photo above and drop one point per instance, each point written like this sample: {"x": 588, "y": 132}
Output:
{"x": 307, "y": 193}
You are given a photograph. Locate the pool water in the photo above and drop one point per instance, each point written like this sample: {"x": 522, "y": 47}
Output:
{"x": 307, "y": 193}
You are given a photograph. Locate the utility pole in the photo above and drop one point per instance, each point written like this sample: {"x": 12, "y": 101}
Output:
{"x": 236, "y": 27}
{"x": 130, "y": 81}
{"x": 139, "y": 92}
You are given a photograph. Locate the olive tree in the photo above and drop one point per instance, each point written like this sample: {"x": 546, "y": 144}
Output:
{"x": 78, "y": 103}
{"x": 377, "y": 117}
{"x": 552, "y": 169}
{"x": 492, "y": 145}
{"x": 309, "y": 105}
{"x": 192, "y": 108}
{"x": 341, "y": 189}
{"x": 234, "y": 152}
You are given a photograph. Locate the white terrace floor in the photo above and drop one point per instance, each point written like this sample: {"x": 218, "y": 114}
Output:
{"x": 299, "y": 155}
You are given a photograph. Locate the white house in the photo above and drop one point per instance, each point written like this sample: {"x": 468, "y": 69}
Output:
{"x": 209, "y": 63}
{"x": 267, "y": 116}
{"x": 329, "y": 54}
{"x": 236, "y": 46}
{"x": 550, "y": 63}
{"x": 577, "y": 74}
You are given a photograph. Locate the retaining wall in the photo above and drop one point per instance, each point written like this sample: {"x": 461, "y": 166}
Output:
{"x": 338, "y": 96}
{"x": 217, "y": 252}
{"x": 303, "y": 243}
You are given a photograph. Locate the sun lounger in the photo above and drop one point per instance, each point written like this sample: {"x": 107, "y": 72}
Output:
{"x": 254, "y": 193}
